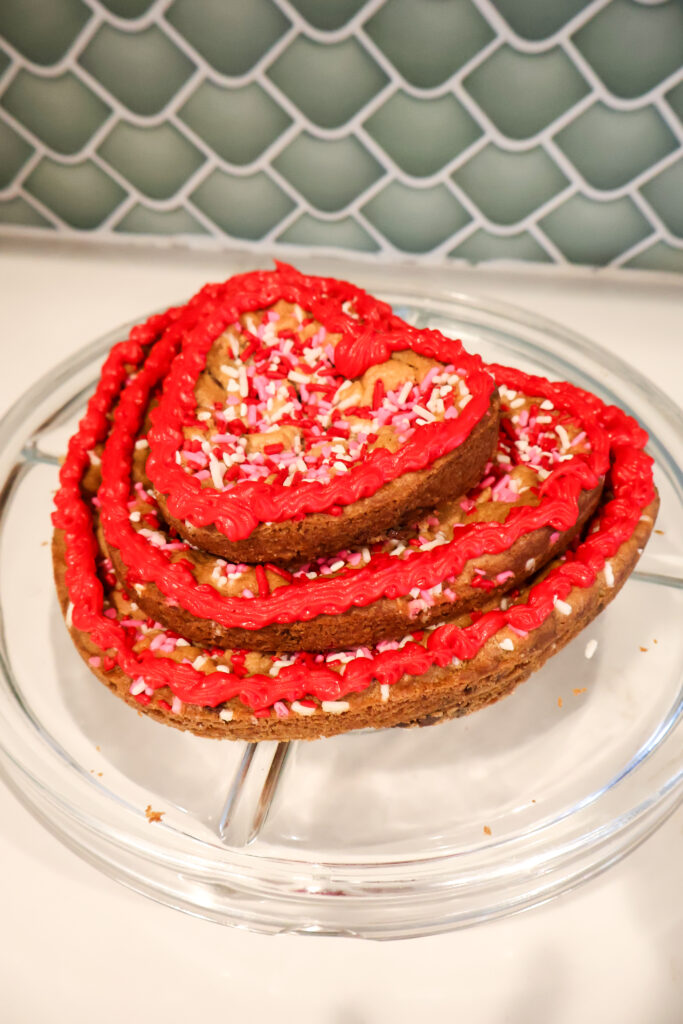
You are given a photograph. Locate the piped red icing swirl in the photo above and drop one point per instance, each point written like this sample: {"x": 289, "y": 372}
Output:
{"x": 321, "y": 677}
{"x": 368, "y": 334}
{"x": 383, "y": 575}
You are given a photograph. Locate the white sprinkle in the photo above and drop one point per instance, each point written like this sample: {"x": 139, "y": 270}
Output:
{"x": 226, "y": 715}
{"x": 529, "y": 564}
{"x": 217, "y": 470}
{"x": 142, "y": 443}
{"x": 426, "y": 415}
{"x": 547, "y": 404}
{"x": 563, "y": 436}
{"x": 517, "y": 402}
{"x": 139, "y": 686}
{"x": 645, "y": 519}
{"x": 69, "y": 617}
{"x": 507, "y": 644}
{"x": 302, "y": 709}
{"x": 405, "y": 391}
{"x": 335, "y": 707}
{"x": 384, "y": 690}
{"x": 609, "y": 574}
{"x": 336, "y": 566}
{"x": 591, "y": 648}
{"x": 199, "y": 662}
{"x": 223, "y": 668}
{"x": 562, "y": 606}
{"x": 204, "y": 415}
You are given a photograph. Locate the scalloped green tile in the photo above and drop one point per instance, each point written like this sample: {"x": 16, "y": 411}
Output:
{"x": 127, "y": 8}
{"x": 238, "y": 124}
{"x": 157, "y": 161}
{"x": 245, "y": 207}
{"x": 586, "y": 231}
{"x": 329, "y": 173}
{"x": 140, "y": 220}
{"x": 610, "y": 147}
{"x": 14, "y": 152}
{"x": 18, "y": 211}
{"x": 509, "y": 186}
{"x": 143, "y": 70}
{"x": 328, "y": 15}
{"x": 660, "y": 256}
{"x": 232, "y": 35}
{"x": 483, "y": 246}
{"x": 81, "y": 194}
{"x": 675, "y": 100}
{"x": 665, "y": 195}
{"x": 524, "y": 92}
{"x": 422, "y": 135}
{"x": 533, "y": 20}
{"x": 415, "y": 220}
{"x": 428, "y": 40}
{"x": 342, "y": 234}
{"x": 42, "y": 30}
{"x": 61, "y": 111}
{"x": 632, "y": 46}
{"x": 328, "y": 83}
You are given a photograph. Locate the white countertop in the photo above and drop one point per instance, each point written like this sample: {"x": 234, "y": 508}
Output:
{"x": 79, "y": 947}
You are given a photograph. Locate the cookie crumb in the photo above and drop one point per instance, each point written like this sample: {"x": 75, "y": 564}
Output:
{"x": 643, "y": 648}
{"x": 487, "y": 830}
{"x": 559, "y": 702}
{"x": 153, "y": 815}
{"x": 578, "y": 689}
{"x": 660, "y": 532}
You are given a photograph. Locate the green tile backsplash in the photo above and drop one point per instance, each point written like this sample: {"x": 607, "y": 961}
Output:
{"x": 442, "y": 129}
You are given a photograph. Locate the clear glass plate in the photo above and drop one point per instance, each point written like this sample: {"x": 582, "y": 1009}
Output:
{"x": 382, "y": 835}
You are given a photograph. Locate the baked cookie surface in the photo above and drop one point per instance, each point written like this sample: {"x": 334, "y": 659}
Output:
{"x": 537, "y": 491}
{"x": 429, "y": 674}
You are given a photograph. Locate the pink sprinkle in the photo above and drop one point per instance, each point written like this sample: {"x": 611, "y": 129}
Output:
{"x": 203, "y": 474}
{"x": 95, "y": 661}
{"x": 502, "y": 576}
{"x": 247, "y": 592}
{"x": 554, "y": 537}
{"x": 280, "y": 709}
{"x": 110, "y": 613}
{"x": 177, "y": 706}
{"x": 519, "y": 632}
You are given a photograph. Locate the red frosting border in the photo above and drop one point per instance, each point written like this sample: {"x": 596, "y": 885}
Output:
{"x": 357, "y": 587}
{"x": 237, "y": 512}
{"x": 630, "y": 480}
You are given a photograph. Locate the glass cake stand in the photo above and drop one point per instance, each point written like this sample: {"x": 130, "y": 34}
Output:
{"x": 375, "y": 834}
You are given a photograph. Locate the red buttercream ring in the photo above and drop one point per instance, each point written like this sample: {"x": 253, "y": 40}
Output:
{"x": 536, "y": 493}
{"x": 556, "y": 446}
{"x": 295, "y": 416}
